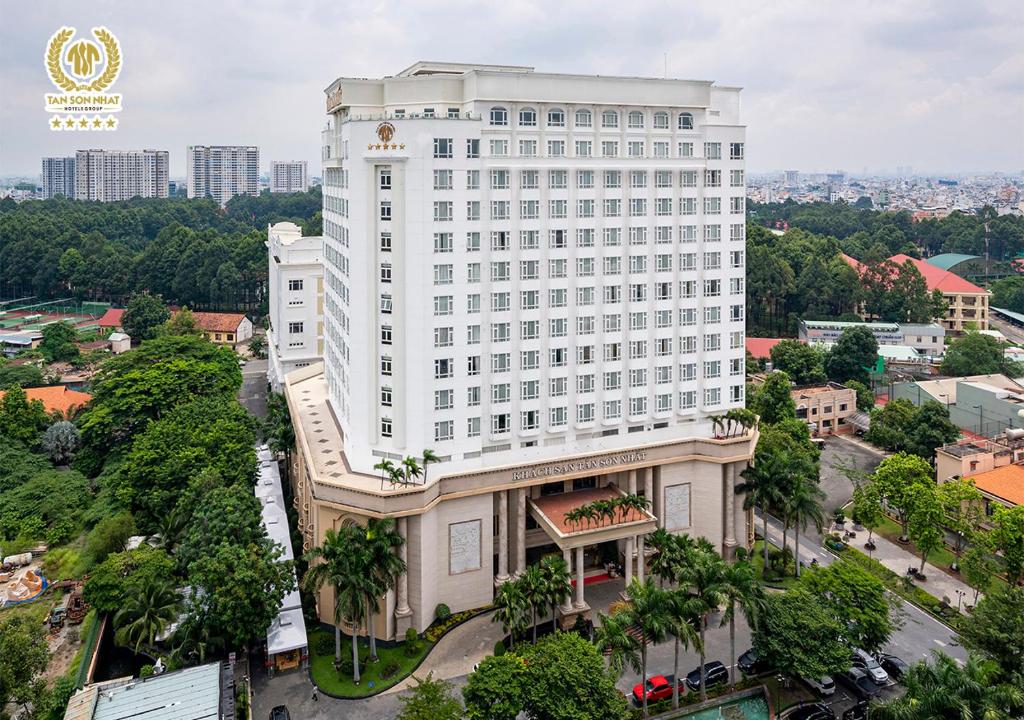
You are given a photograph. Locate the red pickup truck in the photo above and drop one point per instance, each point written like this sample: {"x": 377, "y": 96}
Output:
{"x": 658, "y": 688}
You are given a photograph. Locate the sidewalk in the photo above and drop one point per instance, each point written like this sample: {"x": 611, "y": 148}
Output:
{"x": 891, "y": 555}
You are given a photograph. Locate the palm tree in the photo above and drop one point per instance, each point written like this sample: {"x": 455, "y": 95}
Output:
{"x": 761, "y": 487}
{"x": 396, "y": 476}
{"x": 171, "y": 528}
{"x": 614, "y": 640}
{"x": 510, "y": 609}
{"x": 666, "y": 554}
{"x": 804, "y": 506}
{"x": 681, "y": 611}
{"x": 386, "y": 468}
{"x": 573, "y": 517}
{"x": 742, "y": 591}
{"x": 649, "y": 612}
{"x": 943, "y": 689}
{"x": 343, "y": 567}
{"x": 412, "y": 469}
{"x": 429, "y": 456}
{"x": 588, "y": 513}
{"x": 702, "y": 578}
{"x": 146, "y": 614}
{"x": 533, "y": 589}
{"x": 380, "y": 540}
{"x": 557, "y": 585}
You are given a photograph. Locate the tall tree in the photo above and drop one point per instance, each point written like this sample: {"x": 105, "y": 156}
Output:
{"x": 896, "y": 478}
{"x": 803, "y": 506}
{"x": 145, "y": 615}
{"x": 772, "y": 401}
{"x": 852, "y": 356}
{"x": 925, "y": 521}
{"x": 430, "y": 699}
{"x": 557, "y": 585}
{"x": 962, "y": 503}
{"x": 23, "y": 655}
{"x": 648, "y": 612}
{"x": 380, "y": 541}
{"x": 996, "y": 630}
{"x": 802, "y": 362}
{"x": 976, "y": 354}
{"x": 1007, "y": 536}
{"x": 495, "y": 689}
{"x": 511, "y": 609}
{"x": 856, "y": 599}
{"x": 790, "y": 635}
{"x": 144, "y": 317}
{"x": 682, "y": 609}
{"x": 742, "y": 592}
{"x": 703, "y": 579}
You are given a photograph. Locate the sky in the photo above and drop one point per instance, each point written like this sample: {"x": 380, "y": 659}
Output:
{"x": 854, "y": 85}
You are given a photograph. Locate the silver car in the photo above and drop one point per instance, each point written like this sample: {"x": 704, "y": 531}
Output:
{"x": 824, "y": 686}
{"x": 870, "y": 666}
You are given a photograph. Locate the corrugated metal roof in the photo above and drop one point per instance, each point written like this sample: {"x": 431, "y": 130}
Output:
{"x": 190, "y": 694}
{"x": 947, "y": 261}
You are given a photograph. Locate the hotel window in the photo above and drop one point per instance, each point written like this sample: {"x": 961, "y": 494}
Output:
{"x": 529, "y": 390}
{"x": 444, "y": 430}
{"x": 609, "y": 148}
{"x": 473, "y": 148}
{"x": 385, "y": 304}
{"x": 558, "y": 179}
{"x": 736, "y": 258}
{"x": 295, "y": 284}
{"x": 735, "y": 151}
{"x": 660, "y": 149}
{"x": 444, "y": 337}
{"x": 686, "y": 149}
{"x": 529, "y": 329}
{"x": 473, "y": 210}
{"x": 529, "y": 269}
{"x": 712, "y": 369}
{"x": 612, "y": 381}
{"x": 635, "y": 148}
{"x": 712, "y": 396}
{"x": 713, "y": 342}
{"x": 612, "y": 265}
{"x": 558, "y": 297}
{"x": 443, "y": 368}
{"x": 501, "y": 362}
{"x": 688, "y": 178}
{"x": 638, "y": 406}
{"x": 585, "y": 325}
{"x": 501, "y": 423}
{"x": 687, "y": 400}
{"x": 528, "y": 148}
{"x": 558, "y": 239}
{"x": 584, "y": 119}
{"x": 712, "y": 315}
{"x": 736, "y": 178}
{"x": 529, "y": 179}
{"x": 736, "y": 395}
{"x": 473, "y": 396}
{"x": 663, "y": 374}
{"x": 636, "y": 120}
{"x": 557, "y": 357}
{"x": 585, "y": 237}
{"x": 712, "y": 151}
{"x": 712, "y": 178}
{"x": 612, "y": 294}
{"x": 385, "y": 179}
{"x": 556, "y": 148}
{"x": 442, "y": 148}
{"x": 385, "y": 427}
{"x": 687, "y": 289}
{"x": 585, "y": 413}
{"x": 584, "y": 267}
{"x": 585, "y": 383}
{"x": 737, "y": 205}
{"x": 663, "y": 318}
{"x": 685, "y": 121}
{"x": 472, "y": 179}
{"x": 736, "y": 368}
{"x": 385, "y": 242}
{"x": 501, "y": 393}
{"x": 385, "y": 273}
{"x": 584, "y": 148}
{"x": 472, "y": 334}
{"x": 611, "y": 237}
{"x": 638, "y": 207}
{"x": 500, "y": 271}
{"x": 663, "y": 234}
{"x": 612, "y": 179}
{"x": 442, "y": 211}
{"x": 385, "y": 210}
{"x": 473, "y": 365}
{"x": 661, "y": 120}
{"x": 444, "y": 399}
{"x": 712, "y": 206}
{"x": 736, "y": 313}
{"x": 385, "y": 365}
{"x": 713, "y": 233}
{"x": 585, "y": 208}
{"x": 499, "y": 116}
{"x": 499, "y": 148}
{"x": 295, "y": 328}
{"x": 500, "y": 209}
{"x": 612, "y": 207}
{"x": 687, "y": 316}
{"x": 584, "y": 179}
{"x": 663, "y": 206}
{"x": 529, "y": 359}
{"x": 609, "y": 119}
{"x": 687, "y": 372}
{"x": 472, "y": 242}
{"x": 443, "y": 242}
{"x": 712, "y": 261}
{"x": 443, "y": 304}
{"x": 637, "y": 321}
{"x": 385, "y": 335}
{"x": 473, "y": 303}
{"x": 557, "y": 417}
{"x": 528, "y": 117}
{"x": 428, "y": 112}
{"x": 499, "y": 179}
{"x": 529, "y": 209}
{"x": 442, "y": 179}
{"x": 556, "y": 118}
{"x": 529, "y": 239}
{"x": 501, "y": 302}
{"x": 473, "y": 427}
{"x": 558, "y": 209}
{"x": 530, "y": 419}
{"x": 453, "y": 113}
{"x": 663, "y": 179}
{"x": 736, "y": 340}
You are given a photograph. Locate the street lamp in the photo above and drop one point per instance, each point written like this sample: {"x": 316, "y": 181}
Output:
{"x": 959, "y": 598}
{"x": 981, "y": 418}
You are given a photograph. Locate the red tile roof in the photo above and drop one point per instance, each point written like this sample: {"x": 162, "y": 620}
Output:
{"x": 937, "y": 278}
{"x": 56, "y": 397}
{"x": 219, "y": 322}
{"x": 1005, "y": 482}
{"x": 554, "y": 508}
{"x": 855, "y": 264}
{"x": 112, "y": 318}
{"x": 761, "y": 348}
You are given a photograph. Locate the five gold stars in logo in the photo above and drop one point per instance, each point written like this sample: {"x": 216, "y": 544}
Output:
{"x": 385, "y": 146}
{"x": 84, "y": 122}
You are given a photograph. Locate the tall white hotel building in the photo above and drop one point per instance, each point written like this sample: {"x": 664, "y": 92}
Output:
{"x": 540, "y": 278}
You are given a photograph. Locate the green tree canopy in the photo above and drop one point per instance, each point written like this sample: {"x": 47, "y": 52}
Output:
{"x": 25, "y": 376}
{"x": 976, "y": 354}
{"x": 865, "y": 398}
{"x": 856, "y": 599}
{"x": 144, "y": 316}
{"x": 495, "y": 690}
{"x": 23, "y": 655}
{"x": 58, "y": 343}
{"x": 803, "y": 363}
{"x": 123, "y": 574}
{"x": 800, "y": 637}
{"x": 227, "y": 515}
{"x": 1007, "y": 536}
{"x": 1008, "y": 293}
{"x": 772, "y": 401}
{"x": 996, "y": 630}
{"x": 852, "y": 356}
{"x": 897, "y": 478}
{"x": 430, "y": 699}
{"x": 21, "y": 420}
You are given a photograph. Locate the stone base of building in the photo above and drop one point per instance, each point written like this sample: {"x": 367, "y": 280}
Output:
{"x": 403, "y": 621}
{"x": 567, "y": 617}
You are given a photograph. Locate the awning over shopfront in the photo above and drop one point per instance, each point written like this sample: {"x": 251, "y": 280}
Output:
{"x": 551, "y": 513}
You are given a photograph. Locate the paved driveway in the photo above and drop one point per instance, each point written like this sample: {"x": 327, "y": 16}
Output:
{"x": 253, "y": 394}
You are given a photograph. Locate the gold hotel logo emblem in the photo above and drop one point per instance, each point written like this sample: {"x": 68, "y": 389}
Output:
{"x": 385, "y": 131}
{"x": 82, "y": 70}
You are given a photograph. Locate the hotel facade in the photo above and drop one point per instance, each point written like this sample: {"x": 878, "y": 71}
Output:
{"x": 540, "y": 279}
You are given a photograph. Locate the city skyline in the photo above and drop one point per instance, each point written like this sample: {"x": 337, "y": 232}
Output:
{"x": 875, "y": 86}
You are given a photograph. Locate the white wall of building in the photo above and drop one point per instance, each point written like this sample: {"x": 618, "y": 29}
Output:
{"x": 295, "y": 335}
{"x": 680, "y": 232}
{"x": 111, "y": 175}
{"x": 288, "y": 177}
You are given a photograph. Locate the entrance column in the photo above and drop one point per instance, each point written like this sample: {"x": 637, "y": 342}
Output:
{"x": 567, "y": 556}
{"x": 640, "y": 560}
{"x": 502, "y": 536}
{"x": 730, "y": 511}
{"x": 629, "y": 561}
{"x": 649, "y": 486}
{"x": 520, "y": 531}
{"x": 632, "y": 482}
{"x": 580, "y": 602}
{"x": 403, "y": 613}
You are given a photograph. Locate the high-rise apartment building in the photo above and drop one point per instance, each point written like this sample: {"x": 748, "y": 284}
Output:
{"x": 288, "y": 176}
{"x": 295, "y": 336}
{"x": 222, "y": 171}
{"x": 58, "y": 177}
{"x": 109, "y": 175}
{"x": 540, "y": 278}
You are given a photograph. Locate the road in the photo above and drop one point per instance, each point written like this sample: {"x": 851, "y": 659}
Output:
{"x": 253, "y": 394}
{"x": 840, "y": 455}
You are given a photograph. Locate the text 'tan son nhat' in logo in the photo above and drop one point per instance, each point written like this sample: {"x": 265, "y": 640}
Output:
{"x": 82, "y": 70}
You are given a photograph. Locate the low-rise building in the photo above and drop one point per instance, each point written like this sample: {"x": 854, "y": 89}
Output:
{"x": 970, "y": 457}
{"x": 111, "y": 320}
{"x": 1003, "y": 486}
{"x": 926, "y": 338}
{"x": 981, "y": 404}
{"x": 224, "y": 328}
{"x": 57, "y": 399}
{"x": 825, "y": 408}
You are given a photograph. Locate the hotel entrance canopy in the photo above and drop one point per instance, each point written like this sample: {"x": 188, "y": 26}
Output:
{"x": 550, "y": 513}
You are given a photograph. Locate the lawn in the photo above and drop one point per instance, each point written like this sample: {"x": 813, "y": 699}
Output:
{"x": 757, "y": 560}
{"x": 331, "y": 681}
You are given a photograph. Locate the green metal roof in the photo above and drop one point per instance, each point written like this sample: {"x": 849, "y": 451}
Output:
{"x": 947, "y": 261}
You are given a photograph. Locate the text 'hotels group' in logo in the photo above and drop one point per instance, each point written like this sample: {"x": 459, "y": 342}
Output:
{"x": 82, "y": 69}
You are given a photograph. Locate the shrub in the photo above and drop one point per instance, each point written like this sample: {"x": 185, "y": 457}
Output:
{"x": 839, "y": 516}
{"x": 146, "y": 671}
{"x": 442, "y": 612}
{"x": 499, "y": 649}
{"x": 323, "y": 645}
{"x": 345, "y": 668}
{"x": 389, "y": 671}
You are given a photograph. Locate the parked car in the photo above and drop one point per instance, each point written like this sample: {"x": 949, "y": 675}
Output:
{"x": 824, "y": 686}
{"x": 715, "y": 673}
{"x": 751, "y": 665}
{"x": 659, "y": 687}
{"x": 811, "y": 711}
{"x": 863, "y": 661}
{"x": 857, "y": 712}
{"x": 279, "y": 713}
{"x": 859, "y": 683}
{"x": 893, "y": 665}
